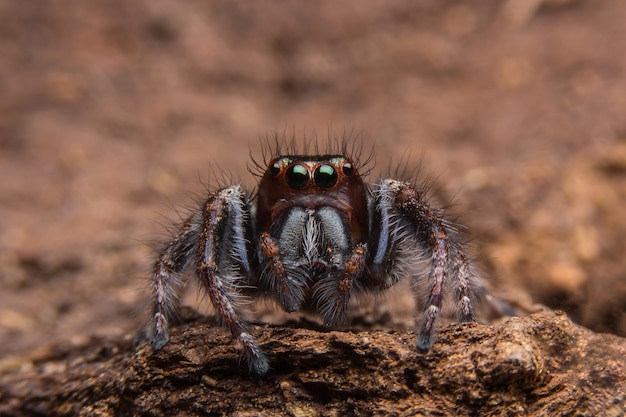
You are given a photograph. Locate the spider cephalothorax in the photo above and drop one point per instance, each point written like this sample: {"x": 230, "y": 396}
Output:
{"x": 313, "y": 236}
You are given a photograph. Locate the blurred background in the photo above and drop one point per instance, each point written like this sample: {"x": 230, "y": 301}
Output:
{"x": 113, "y": 114}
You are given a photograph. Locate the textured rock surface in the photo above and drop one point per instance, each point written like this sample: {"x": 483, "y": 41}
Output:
{"x": 537, "y": 365}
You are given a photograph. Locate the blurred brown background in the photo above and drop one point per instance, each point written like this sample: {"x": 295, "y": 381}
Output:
{"x": 114, "y": 113}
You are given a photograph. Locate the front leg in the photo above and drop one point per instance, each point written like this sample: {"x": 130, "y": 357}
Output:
{"x": 405, "y": 212}
{"x": 221, "y": 239}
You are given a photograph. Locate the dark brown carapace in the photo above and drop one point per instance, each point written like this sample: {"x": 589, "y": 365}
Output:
{"x": 315, "y": 236}
{"x": 312, "y": 182}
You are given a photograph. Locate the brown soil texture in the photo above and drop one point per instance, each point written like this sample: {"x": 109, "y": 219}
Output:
{"x": 115, "y": 116}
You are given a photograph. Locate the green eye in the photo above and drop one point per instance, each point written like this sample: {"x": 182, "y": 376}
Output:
{"x": 325, "y": 177}
{"x": 297, "y": 176}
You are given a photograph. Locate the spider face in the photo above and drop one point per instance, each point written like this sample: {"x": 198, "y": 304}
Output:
{"x": 315, "y": 235}
{"x": 311, "y": 183}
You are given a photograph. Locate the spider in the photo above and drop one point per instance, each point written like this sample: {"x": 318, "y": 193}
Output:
{"x": 313, "y": 236}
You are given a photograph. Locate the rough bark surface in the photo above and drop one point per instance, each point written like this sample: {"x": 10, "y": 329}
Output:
{"x": 538, "y": 365}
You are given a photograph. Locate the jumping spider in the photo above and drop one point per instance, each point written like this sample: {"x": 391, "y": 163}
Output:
{"x": 313, "y": 236}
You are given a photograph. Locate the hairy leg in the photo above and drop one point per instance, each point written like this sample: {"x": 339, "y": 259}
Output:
{"x": 461, "y": 271}
{"x": 447, "y": 261}
{"x": 226, "y": 209}
{"x": 177, "y": 256}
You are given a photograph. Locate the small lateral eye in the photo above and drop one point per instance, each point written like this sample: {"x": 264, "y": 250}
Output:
{"x": 348, "y": 169}
{"x": 297, "y": 176}
{"x": 275, "y": 169}
{"x": 325, "y": 177}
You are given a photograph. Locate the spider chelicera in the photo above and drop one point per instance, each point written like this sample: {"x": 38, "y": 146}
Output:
{"x": 313, "y": 236}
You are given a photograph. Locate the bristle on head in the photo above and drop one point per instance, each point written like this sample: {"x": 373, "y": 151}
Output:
{"x": 349, "y": 144}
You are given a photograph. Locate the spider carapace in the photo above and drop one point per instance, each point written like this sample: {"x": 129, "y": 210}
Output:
{"x": 313, "y": 236}
{"x": 312, "y": 183}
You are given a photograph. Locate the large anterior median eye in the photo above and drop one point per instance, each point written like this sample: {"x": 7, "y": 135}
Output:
{"x": 297, "y": 176}
{"x": 325, "y": 177}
